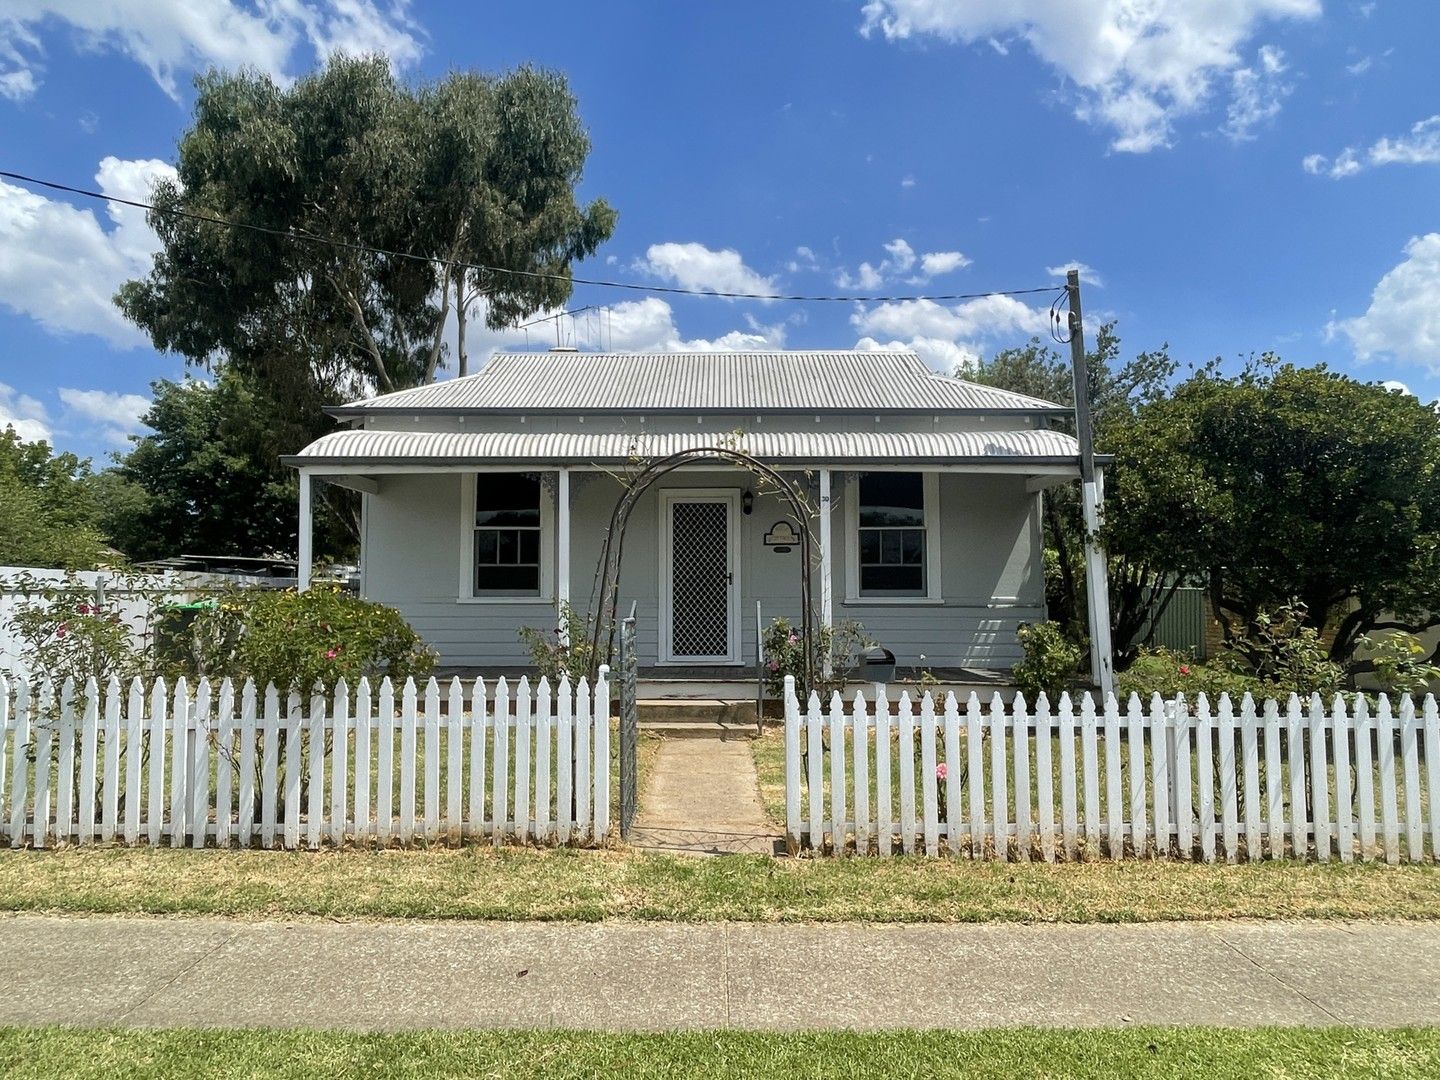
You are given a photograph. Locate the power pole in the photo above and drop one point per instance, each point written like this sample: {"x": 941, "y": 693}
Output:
{"x": 1092, "y": 497}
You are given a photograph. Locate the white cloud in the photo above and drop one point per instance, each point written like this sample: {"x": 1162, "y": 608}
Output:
{"x": 867, "y": 278}
{"x": 62, "y": 267}
{"x": 171, "y": 37}
{"x": 942, "y": 262}
{"x": 116, "y": 415}
{"x": 646, "y": 325}
{"x": 1136, "y": 66}
{"x": 804, "y": 260}
{"x": 26, "y": 415}
{"x": 1397, "y": 386}
{"x": 695, "y": 266}
{"x": 1361, "y": 66}
{"x": 947, "y": 335}
{"x": 907, "y": 182}
{"x": 1255, "y": 94}
{"x": 902, "y": 255}
{"x": 1403, "y": 320}
{"x": 1419, "y": 146}
{"x": 1087, "y": 273}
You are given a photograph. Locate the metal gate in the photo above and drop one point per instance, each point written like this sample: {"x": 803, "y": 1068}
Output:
{"x": 629, "y": 727}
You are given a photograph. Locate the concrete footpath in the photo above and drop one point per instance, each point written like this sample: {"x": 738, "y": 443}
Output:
{"x": 637, "y": 976}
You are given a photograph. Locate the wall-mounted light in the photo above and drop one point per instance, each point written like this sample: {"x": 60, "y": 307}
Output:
{"x": 747, "y": 501}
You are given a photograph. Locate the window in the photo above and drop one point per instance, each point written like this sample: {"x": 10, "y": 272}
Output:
{"x": 892, "y": 537}
{"x": 507, "y": 535}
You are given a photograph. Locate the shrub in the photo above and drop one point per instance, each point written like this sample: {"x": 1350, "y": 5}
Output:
{"x": 1285, "y": 654}
{"x": 1399, "y": 663}
{"x": 785, "y": 655}
{"x": 69, "y": 630}
{"x": 1050, "y": 662}
{"x": 298, "y": 639}
{"x": 555, "y": 657}
{"x": 1167, "y": 673}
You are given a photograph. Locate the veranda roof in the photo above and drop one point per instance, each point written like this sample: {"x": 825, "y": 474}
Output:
{"x": 792, "y": 381}
{"x": 430, "y": 448}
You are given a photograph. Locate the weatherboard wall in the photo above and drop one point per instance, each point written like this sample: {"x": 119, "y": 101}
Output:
{"x": 990, "y": 569}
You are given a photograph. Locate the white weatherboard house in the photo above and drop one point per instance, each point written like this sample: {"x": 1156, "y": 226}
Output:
{"x": 486, "y": 500}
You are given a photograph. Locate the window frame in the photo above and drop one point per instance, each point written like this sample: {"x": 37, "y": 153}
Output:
{"x": 930, "y": 488}
{"x": 469, "y": 491}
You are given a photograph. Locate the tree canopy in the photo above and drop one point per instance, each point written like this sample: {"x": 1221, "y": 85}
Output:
{"x": 207, "y": 479}
{"x": 1287, "y": 483}
{"x": 474, "y": 169}
{"x": 47, "y": 513}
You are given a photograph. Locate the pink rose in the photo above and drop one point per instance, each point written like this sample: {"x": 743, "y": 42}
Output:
{"x": 942, "y": 771}
{"x": 1184, "y": 669}
{"x": 331, "y": 654}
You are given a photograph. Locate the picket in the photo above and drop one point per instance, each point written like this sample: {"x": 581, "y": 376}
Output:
{"x": 1409, "y": 754}
{"x": 860, "y": 752}
{"x": 1344, "y": 827}
{"x": 929, "y": 794}
{"x": 1020, "y": 740}
{"x": 1228, "y": 824}
{"x": 432, "y": 761}
{"x": 362, "y": 827}
{"x": 953, "y": 787}
{"x": 1135, "y": 733}
{"x": 1319, "y": 779}
{"x": 199, "y": 780}
{"x": 44, "y": 751}
{"x": 4, "y": 746}
{"x": 1389, "y": 822}
{"x": 1114, "y": 812}
{"x": 974, "y": 738}
{"x": 1067, "y": 777}
{"x": 134, "y": 720}
{"x": 1091, "y": 766}
{"x": 1432, "y": 770}
{"x": 65, "y": 765}
{"x": 159, "y": 711}
{"x": 584, "y": 703}
{"x": 294, "y": 761}
{"x": 1180, "y": 764}
{"x": 906, "y": 717}
{"x": 245, "y": 809}
{"x": 1295, "y": 751}
{"x": 884, "y": 812}
{"x": 1044, "y": 779}
{"x": 224, "y": 767}
{"x": 601, "y": 725}
{"x": 1364, "y": 784}
{"x": 1205, "y": 776}
{"x": 20, "y": 767}
{"x": 1274, "y": 782}
{"x": 522, "y": 759}
{"x": 564, "y": 766}
{"x": 339, "y": 761}
{"x": 180, "y": 762}
{"x": 409, "y": 720}
{"x": 814, "y": 757}
{"x": 315, "y": 804}
{"x": 89, "y": 737}
{"x": 1250, "y": 754}
{"x": 110, "y": 782}
{"x": 542, "y": 764}
{"x": 500, "y": 783}
{"x": 837, "y": 772}
{"x": 385, "y": 763}
{"x": 792, "y": 768}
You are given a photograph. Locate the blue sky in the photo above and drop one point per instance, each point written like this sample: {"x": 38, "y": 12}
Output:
{"x": 1235, "y": 177}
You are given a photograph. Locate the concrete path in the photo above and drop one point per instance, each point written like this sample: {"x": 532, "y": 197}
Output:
{"x": 703, "y": 798}
{"x": 635, "y": 976}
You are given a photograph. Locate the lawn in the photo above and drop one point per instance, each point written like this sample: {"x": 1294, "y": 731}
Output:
{"x": 1133, "y": 1052}
{"x": 480, "y": 882}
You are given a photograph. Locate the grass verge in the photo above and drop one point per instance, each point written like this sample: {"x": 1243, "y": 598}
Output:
{"x": 1133, "y": 1052}
{"x": 513, "y": 884}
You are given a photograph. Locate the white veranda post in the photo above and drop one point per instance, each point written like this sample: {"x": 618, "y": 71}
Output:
{"x": 827, "y": 596}
{"x": 306, "y": 554}
{"x": 562, "y": 552}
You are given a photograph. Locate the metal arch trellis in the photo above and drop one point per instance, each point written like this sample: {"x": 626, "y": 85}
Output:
{"x": 612, "y": 551}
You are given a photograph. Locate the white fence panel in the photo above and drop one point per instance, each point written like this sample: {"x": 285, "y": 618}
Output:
{"x": 196, "y": 769}
{"x": 1228, "y": 787}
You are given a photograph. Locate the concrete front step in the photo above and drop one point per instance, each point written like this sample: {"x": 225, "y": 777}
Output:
{"x": 698, "y": 717}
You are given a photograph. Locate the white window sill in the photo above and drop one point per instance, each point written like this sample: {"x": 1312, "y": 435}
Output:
{"x": 533, "y": 601}
{"x": 892, "y": 601}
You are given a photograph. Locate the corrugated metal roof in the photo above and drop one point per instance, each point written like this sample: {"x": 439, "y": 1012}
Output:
{"x": 359, "y": 447}
{"x": 704, "y": 382}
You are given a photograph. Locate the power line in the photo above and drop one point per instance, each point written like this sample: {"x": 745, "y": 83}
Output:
{"x": 672, "y": 290}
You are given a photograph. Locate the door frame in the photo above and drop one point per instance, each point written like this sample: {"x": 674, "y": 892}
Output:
{"x": 668, "y": 498}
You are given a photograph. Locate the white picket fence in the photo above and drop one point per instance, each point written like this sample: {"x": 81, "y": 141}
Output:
{"x": 1165, "y": 780}
{"x": 233, "y": 766}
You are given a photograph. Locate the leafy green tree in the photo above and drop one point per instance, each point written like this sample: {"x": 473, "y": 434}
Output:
{"x": 47, "y": 514}
{"x": 1139, "y": 591}
{"x": 1285, "y": 484}
{"x": 475, "y": 169}
{"x": 207, "y": 479}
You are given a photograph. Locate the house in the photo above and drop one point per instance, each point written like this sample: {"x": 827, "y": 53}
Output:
{"x": 486, "y": 501}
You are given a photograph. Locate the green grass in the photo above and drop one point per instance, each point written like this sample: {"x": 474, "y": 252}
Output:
{"x": 480, "y": 882}
{"x": 1023, "y": 1052}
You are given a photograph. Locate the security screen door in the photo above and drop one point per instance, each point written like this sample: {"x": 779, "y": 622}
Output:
{"x": 699, "y": 577}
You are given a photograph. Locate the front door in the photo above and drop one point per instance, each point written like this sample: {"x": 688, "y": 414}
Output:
{"x": 699, "y": 576}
